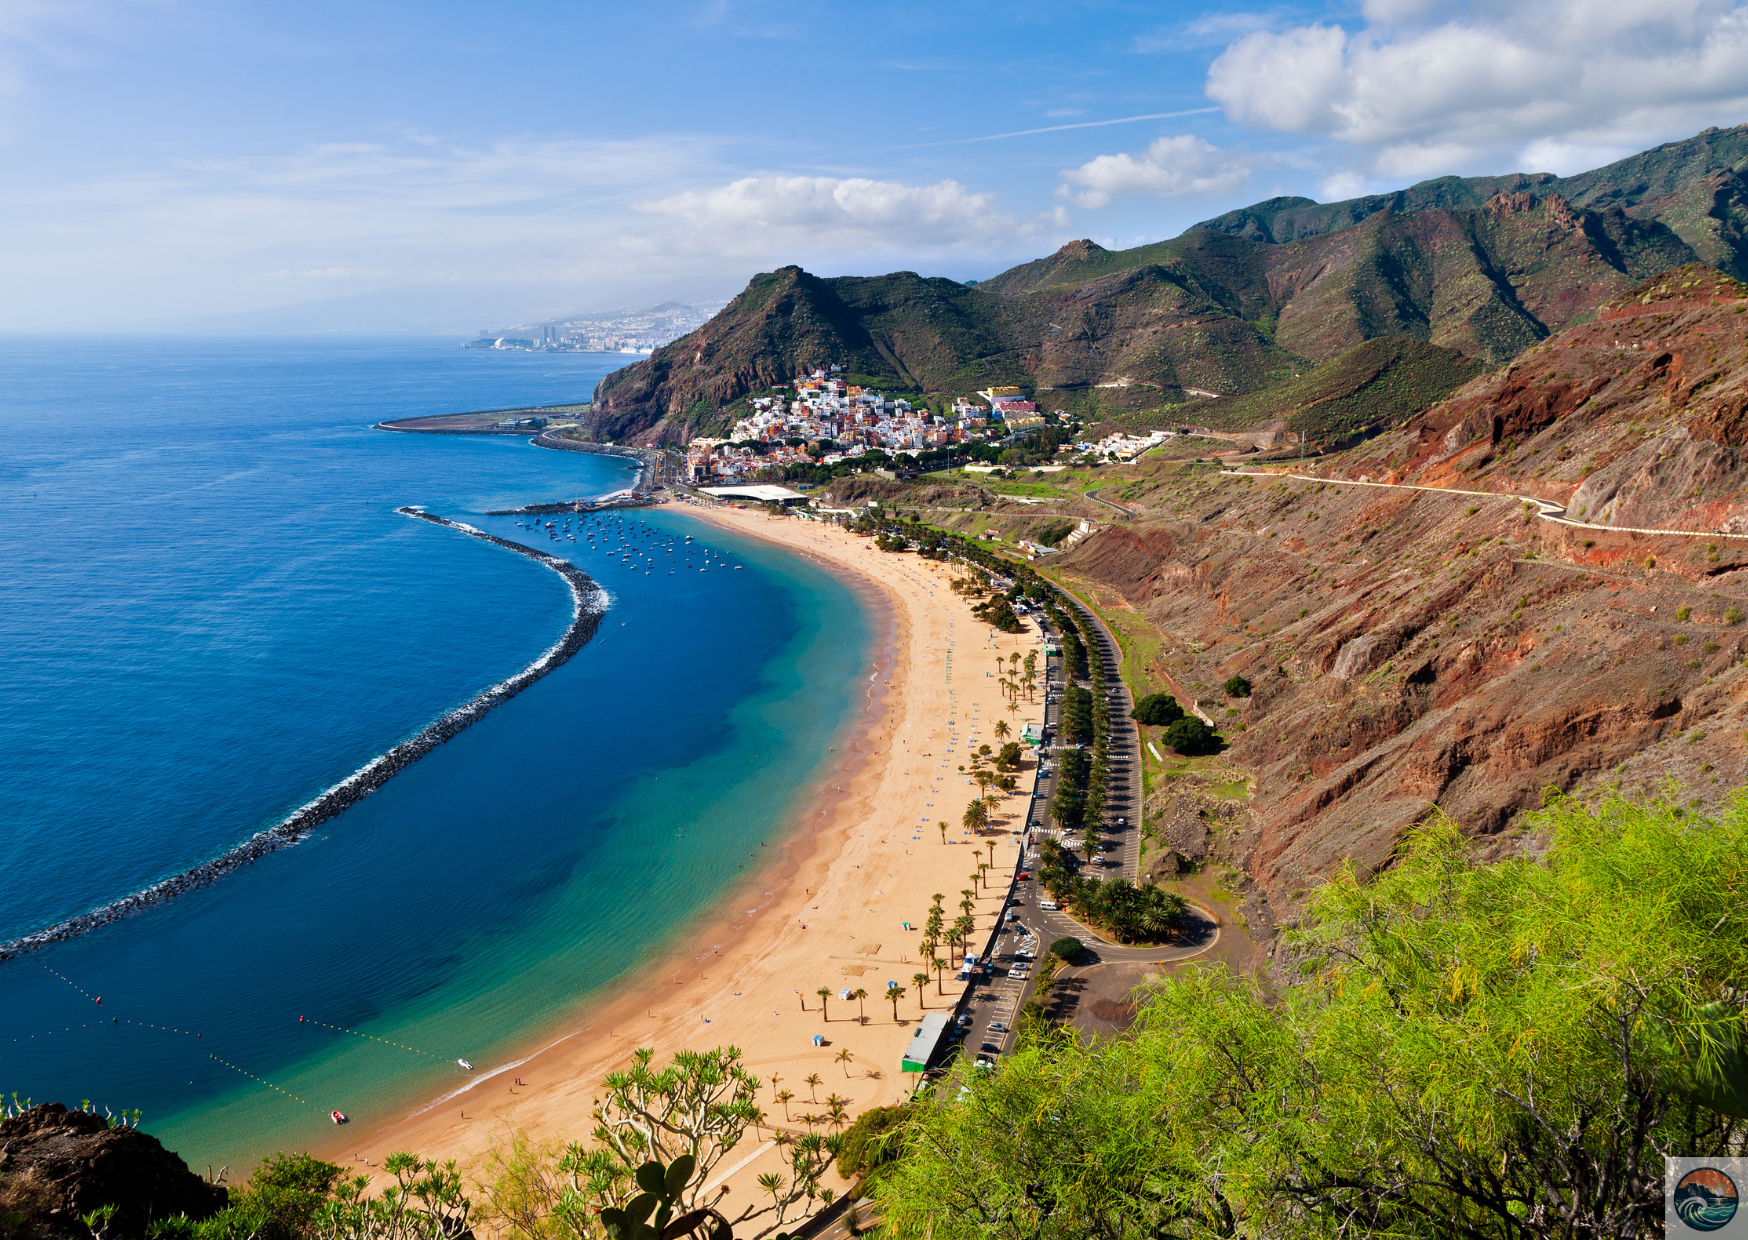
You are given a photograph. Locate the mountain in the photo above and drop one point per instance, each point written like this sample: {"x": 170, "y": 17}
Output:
{"x": 1488, "y": 266}
{"x": 1697, "y": 187}
{"x": 1636, "y": 419}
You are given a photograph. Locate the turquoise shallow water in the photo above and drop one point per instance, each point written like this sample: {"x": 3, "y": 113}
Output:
{"x": 211, "y": 612}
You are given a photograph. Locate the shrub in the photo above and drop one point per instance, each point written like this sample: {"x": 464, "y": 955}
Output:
{"x": 1190, "y": 735}
{"x": 1682, "y": 613}
{"x": 1157, "y": 710}
{"x": 874, "y": 1141}
{"x": 1237, "y": 686}
{"x": 1732, "y": 615}
{"x": 1066, "y": 948}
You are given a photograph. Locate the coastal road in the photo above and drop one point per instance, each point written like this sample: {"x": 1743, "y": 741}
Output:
{"x": 1123, "y": 792}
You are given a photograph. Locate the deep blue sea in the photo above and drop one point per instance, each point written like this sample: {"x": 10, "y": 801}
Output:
{"x": 211, "y": 612}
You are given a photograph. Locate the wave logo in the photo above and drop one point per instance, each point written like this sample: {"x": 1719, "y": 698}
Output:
{"x": 1705, "y": 1199}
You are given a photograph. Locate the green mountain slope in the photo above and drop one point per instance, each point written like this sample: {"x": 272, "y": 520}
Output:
{"x": 1372, "y": 384}
{"x": 1487, "y": 266}
{"x": 1698, "y": 187}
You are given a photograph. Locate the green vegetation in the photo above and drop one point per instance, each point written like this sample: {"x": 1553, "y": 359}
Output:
{"x": 998, "y": 613}
{"x": 1066, "y": 948}
{"x": 1127, "y": 912}
{"x": 1077, "y": 715}
{"x": 1236, "y": 686}
{"x": 1068, "y": 803}
{"x": 1157, "y": 710}
{"x": 872, "y": 1144}
{"x": 1373, "y": 384}
{"x": 1190, "y": 736}
{"x": 1500, "y": 1050}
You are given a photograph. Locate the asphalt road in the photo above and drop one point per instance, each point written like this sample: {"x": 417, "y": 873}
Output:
{"x": 1027, "y": 930}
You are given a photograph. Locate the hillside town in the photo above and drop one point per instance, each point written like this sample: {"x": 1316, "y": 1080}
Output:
{"x": 794, "y": 422}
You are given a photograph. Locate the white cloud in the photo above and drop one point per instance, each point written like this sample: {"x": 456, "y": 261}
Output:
{"x": 1429, "y": 86}
{"x": 188, "y": 236}
{"x": 764, "y": 215}
{"x": 1340, "y": 186}
{"x": 1171, "y": 167}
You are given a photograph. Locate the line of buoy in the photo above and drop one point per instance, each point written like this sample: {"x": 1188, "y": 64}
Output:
{"x": 270, "y": 1085}
{"x": 97, "y": 999}
{"x": 310, "y": 1020}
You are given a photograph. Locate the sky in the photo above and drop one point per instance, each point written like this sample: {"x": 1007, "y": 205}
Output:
{"x": 372, "y": 165}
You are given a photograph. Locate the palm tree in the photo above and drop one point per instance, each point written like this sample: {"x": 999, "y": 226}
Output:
{"x": 772, "y": 1183}
{"x": 837, "y": 1107}
{"x": 786, "y": 1097}
{"x": 990, "y": 801}
{"x": 982, "y": 878}
{"x": 920, "y": 981}
{"x": 978, "y": 852}
{"x": 943, "y": 827}
{"x": 1002, "y": 731}
{"x": 976, "y": 815}
{"x": 858, "y": 995}
{"x": 970, "y": 899}
{"x": 894, "y": 993}
{"x": 775, "y": 1077}
{"x": 824, "y": 993}
{"x": 964, "y": 925}
{"x": 811, "y": 1080}
{"x": 844, "y": 1057}
{"x": 937, "y": 964}
{"x": 1014, "y": 661}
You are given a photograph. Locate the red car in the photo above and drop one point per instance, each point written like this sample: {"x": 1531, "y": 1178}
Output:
{"x": 1023, "y": 875}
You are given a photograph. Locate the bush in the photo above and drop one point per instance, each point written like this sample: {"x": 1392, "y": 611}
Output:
{"x": 1066, "y": 948}
{"x": 874, "y": 1141}
{"x": 1190, "y": 735}
{"x": 1157, "y": 710}
{"x": 1237, "y": 686}
{"x": 1732, "y": 615}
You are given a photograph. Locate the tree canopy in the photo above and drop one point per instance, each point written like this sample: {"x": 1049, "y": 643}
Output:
{"x": 1157, "y": 710}
{"x": 1469, "y": 1050}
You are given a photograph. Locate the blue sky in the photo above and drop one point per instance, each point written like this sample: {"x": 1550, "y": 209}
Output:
{"x": 178, "y": 164}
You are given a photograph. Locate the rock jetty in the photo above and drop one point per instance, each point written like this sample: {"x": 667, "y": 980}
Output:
{"x": 588, "y": 604}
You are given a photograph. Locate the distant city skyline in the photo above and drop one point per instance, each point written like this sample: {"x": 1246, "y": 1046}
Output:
{"x": 182, "y": 165}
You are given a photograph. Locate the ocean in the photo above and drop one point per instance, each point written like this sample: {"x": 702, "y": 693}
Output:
{"x": 211, "y": 613}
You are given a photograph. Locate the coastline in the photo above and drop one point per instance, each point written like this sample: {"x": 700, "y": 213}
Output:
{"x": 730, "y": 975}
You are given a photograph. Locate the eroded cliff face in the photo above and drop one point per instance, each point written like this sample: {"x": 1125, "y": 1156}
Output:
{"x": 1412, "y": 649}
{"x": 1637, "y": 419}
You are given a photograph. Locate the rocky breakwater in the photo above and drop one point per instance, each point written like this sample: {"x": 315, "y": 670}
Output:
{"x": 588, "y": 604}
{"x": 648, "y": 458}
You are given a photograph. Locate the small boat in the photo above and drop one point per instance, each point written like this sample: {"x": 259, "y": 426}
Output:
{"x": 338, "y": 1117}
{"x": 465, "y": 1064}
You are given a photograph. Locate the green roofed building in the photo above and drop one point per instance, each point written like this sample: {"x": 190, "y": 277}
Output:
{"x": 924, "y": 1043}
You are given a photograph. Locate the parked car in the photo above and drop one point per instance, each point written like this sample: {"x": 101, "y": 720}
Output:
{"x": 1049, "y": 906}
{"x": 995, "y": 1026}
{"x": 964, "y": 1021}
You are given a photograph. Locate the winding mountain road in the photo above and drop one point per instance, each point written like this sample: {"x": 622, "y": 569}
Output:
{"x": 1547, "y": 510}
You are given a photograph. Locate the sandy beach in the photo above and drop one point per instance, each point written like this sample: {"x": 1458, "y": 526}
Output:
{"x": 828, "y": 909}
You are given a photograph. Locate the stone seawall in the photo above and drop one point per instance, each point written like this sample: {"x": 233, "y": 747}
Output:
{"x": 588, "y": 604}
{"x": 647, "y": 457}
